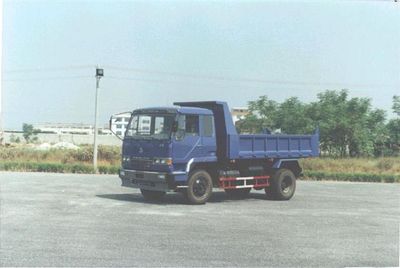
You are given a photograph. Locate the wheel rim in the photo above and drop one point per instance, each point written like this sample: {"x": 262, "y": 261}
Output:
{"x": 286, "y": 184}
{"x": 200, "y": 187}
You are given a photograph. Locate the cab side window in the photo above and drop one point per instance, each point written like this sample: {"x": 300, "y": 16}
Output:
{"x": 192, "y": 125}
{"x": 208, "y": 126}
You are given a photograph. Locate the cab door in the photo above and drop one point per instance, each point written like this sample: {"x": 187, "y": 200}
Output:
{"x": 187, "y": 142}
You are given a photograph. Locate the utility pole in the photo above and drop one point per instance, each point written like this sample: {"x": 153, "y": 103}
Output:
{"x": 99, "y": 75}
{"x": 2, "y": 136}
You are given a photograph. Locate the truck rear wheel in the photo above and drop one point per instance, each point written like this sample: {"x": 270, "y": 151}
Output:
{"x": 283, "y": 185}
{"x": 238, "y": 193}
{"x": 152, "y": 195}
{"x": 199, "y": 187}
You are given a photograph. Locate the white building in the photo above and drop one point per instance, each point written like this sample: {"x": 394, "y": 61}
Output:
{"x": 239, "y": 113}
{"x": 64, "y": 128}
{"x": 119, "y": 124}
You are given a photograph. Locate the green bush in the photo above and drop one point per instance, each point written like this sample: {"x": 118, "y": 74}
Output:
{"x": 48, "y": 167}
{"x": 79, "y": 168}
{"x": 108, "y": 169}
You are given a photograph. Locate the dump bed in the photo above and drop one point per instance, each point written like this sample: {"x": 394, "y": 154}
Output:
{"x": 278, "y": 146}
{"x": 232, "y": 146}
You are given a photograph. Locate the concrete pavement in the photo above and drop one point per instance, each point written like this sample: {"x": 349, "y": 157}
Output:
{"x": 89, "y": 220}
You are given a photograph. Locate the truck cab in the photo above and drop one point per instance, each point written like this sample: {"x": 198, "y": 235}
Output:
{"x": 193, "y": 147}
{"x": 159, "y": 143}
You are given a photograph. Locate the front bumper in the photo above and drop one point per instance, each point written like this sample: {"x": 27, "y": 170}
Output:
{"x": 148, "y": 180}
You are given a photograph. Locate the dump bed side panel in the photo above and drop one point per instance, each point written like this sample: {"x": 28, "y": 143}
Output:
{"x": 278, "y": 146}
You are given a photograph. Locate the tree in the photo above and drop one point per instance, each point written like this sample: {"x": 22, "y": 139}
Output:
{"x": 396, "y": 105}
{"x": 288, "y": 116}
{"x": 29, "y": 133}
{"x": 329, "y": 112}
{"x": 393, "y": 131}
{"x": 393, "y": 128}
{"x": 264, "y": 109}
{"x": 250, "y": 124}
{"x": 378, "y": 131}
{"x": 291, "y": 117}
{"x": 348, "y": 126}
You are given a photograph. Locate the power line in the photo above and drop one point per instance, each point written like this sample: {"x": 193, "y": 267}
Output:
{"x": 47, "y": 78}
{"x": 186, "y": 75}
{"x": 49, "y": 69}
{"x": 180, "y": 83}
{"x": 244, "y": 79}
{"x": 203, "y": 85}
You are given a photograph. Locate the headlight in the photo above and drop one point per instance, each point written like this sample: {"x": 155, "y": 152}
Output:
{"x": 163, "y": 161}
{"x": 126, "y": 159}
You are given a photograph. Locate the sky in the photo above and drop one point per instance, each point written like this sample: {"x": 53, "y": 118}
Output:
{"x": 157, "y": 52}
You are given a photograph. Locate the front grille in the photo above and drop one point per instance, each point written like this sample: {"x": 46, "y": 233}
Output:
{"x": 141, "y": 163}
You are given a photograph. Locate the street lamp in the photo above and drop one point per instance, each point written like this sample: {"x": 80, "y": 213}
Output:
{"x": 99, "y": 75}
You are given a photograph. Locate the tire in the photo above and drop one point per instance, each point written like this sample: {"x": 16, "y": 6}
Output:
{"x": 238, "y": 193}
{"x": 283, "y": 185}
{"x": 152, "y": 195}
{"x": 199, "y": 187}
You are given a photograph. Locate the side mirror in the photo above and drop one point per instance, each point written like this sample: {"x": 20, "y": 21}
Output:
{"x": 174, "y": 127}
{"x": 118, "y": 124}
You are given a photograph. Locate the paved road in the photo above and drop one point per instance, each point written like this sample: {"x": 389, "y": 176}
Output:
{"x": 89, "y": 220}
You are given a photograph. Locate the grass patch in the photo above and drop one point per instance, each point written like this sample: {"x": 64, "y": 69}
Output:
{"x": 25, "y": 158}
{"x": 377, "y": 166}
{"x": 57, "y": 167}
{"x": 108, "y": 155}
{"x": 355, "y": 177}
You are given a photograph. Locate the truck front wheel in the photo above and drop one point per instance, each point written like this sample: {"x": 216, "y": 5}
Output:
{"x": 152, "y": 195}
{"x": 199, "y": 187}
{"x": 283, "y": 185}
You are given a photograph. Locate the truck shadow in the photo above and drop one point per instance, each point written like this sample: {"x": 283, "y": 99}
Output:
{"x": 178, "y": 199}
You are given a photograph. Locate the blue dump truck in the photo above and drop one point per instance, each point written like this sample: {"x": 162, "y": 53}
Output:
{"x": 194, "y": 146}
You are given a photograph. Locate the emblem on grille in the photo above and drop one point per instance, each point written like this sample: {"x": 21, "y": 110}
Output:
{"x": 140, "y": 150}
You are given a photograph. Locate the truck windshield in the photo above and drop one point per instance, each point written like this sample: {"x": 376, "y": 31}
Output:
{"x": 152, "y": 126}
